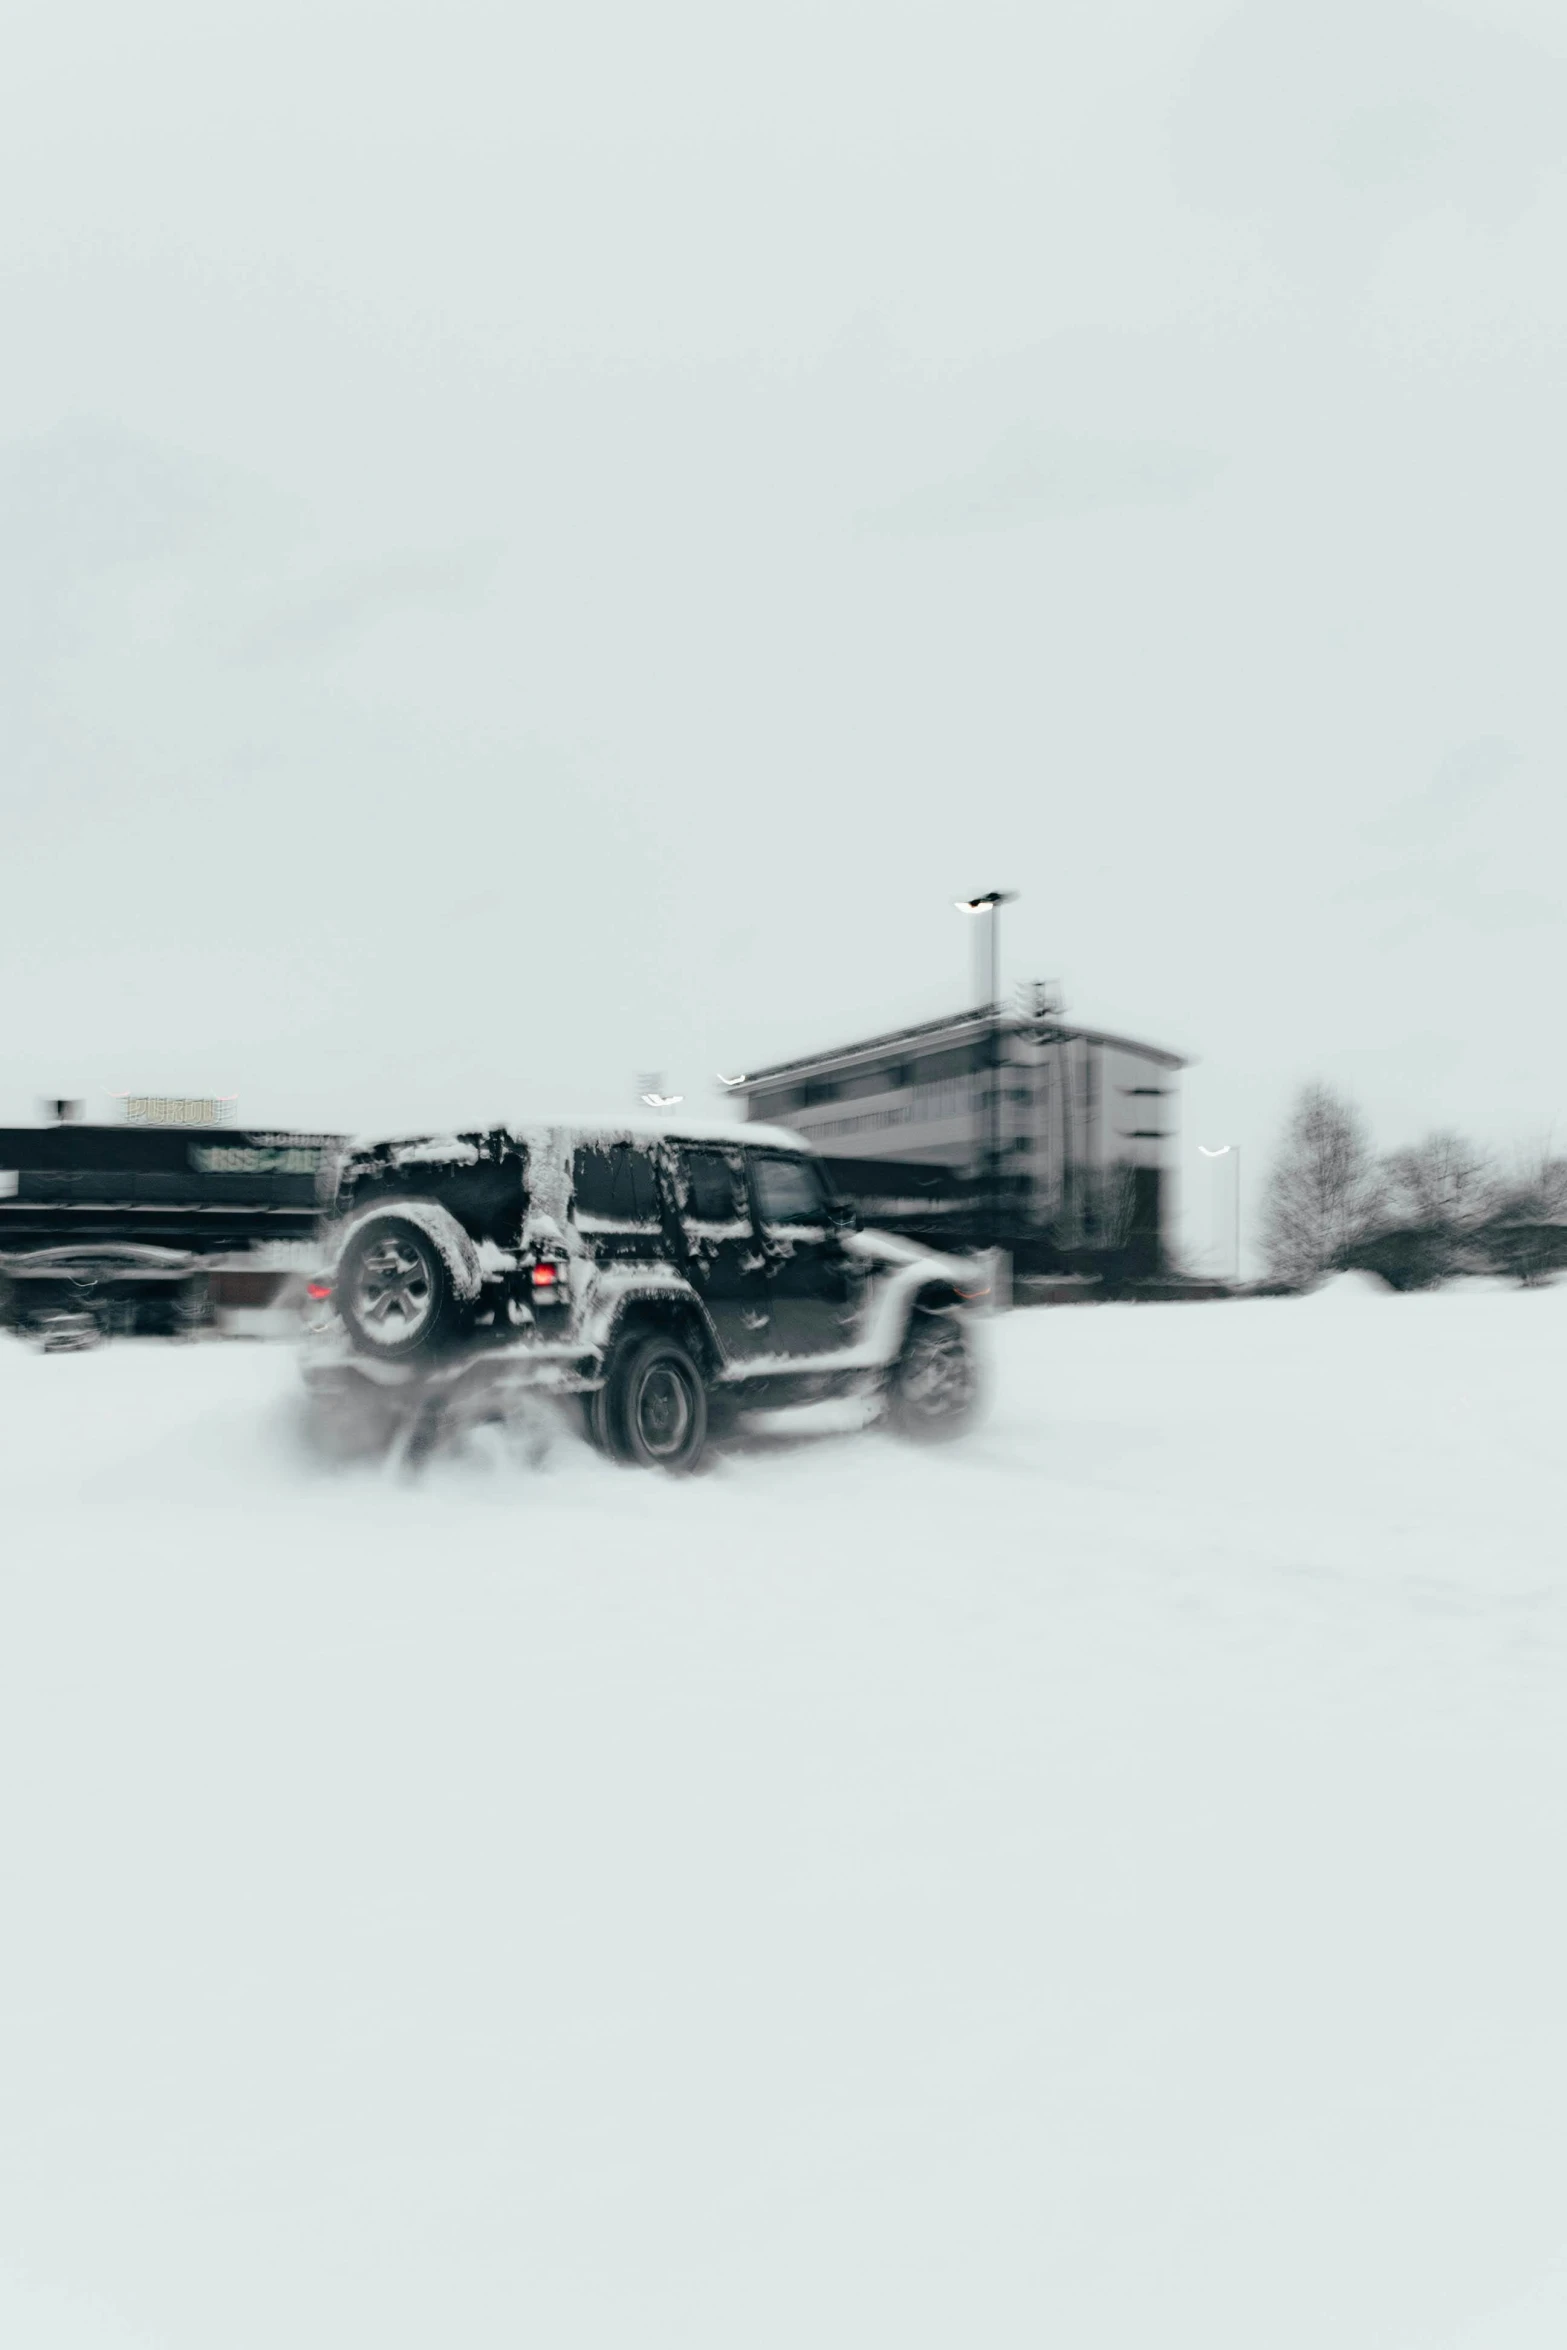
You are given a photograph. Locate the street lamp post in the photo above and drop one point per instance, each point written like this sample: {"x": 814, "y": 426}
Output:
{"x": 1225, "y": 1150}
{"x": 989, "y": 906}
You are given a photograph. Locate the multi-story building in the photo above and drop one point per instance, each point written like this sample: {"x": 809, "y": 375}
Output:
{"x": 1057, "y": 1139}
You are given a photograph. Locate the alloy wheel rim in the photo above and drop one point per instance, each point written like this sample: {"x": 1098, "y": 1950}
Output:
{"x": 664, "y": 1411}
{"x": 393, "y": 1292}
{"x": 938, "y": 1381}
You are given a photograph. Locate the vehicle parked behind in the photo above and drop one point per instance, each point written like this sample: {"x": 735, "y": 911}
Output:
{"x": 116, "y": 1230}
{"x": 70, "y": 1297}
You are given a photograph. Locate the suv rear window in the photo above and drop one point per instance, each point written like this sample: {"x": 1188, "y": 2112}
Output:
{"x": 615, "y": 1181}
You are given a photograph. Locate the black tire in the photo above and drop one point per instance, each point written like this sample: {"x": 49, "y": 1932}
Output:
{"x": 595, "y": 1421}
{"x": 933, "y": 1389}
{"x": 654, "y": 1406}
{"x": 64, "y": 1332}
{"x": 393, "y": 1292}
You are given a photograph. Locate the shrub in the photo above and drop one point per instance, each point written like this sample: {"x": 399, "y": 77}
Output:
{"x": 1525, "y": 1234}
{"x": 1432, "y": 1202}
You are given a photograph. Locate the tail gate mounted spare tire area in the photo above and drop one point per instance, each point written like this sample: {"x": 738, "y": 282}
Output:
{"x": 652, "y": 1410}
{"x": 405, "y": 1279}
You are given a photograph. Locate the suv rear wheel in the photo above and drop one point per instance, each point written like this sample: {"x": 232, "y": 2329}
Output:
{"x": 394, "y": 1291}
{"x": 654, "y": 1405}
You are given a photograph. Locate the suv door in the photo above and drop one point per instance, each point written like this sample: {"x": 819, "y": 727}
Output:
{"x": 816, "y": 1288}
{"x": 724, "y": 1259}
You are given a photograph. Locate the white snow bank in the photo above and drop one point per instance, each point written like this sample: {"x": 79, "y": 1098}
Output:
{"x": 1094, "y": 1886}
{"x": 1348, "y": 1289}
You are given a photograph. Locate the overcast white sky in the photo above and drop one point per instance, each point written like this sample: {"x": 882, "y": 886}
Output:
{"x": 538, "y": 544}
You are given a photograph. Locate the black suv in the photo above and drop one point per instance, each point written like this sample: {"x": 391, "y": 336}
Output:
{"x": 668, "y": 1275}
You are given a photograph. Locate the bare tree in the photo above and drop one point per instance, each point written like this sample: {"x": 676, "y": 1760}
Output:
{"x": 1107, "y": 1204}
{"x": 1539, "y": 1181}
{"x": 1324, "y": 1189}
{"x": 1527, "y": 1232}
{"x": 1433, "y": 1202}
{"x": 1443, "y": 1184}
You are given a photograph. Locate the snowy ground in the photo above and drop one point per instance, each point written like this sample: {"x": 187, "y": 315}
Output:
{"x": 1100, "y": 1885}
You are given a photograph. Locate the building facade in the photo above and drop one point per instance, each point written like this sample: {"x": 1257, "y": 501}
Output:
{"x": 1056, "y": 1140}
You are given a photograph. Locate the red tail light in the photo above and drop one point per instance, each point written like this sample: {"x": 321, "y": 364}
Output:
{"x": 318, "y": 1290}
{"x": 544, "y": 1276}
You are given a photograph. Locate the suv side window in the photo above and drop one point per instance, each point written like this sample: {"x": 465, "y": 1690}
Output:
{"x": 715, "y": 1192}
{"x": 615, "y": 1183}
{"x": 788, "y": 1190}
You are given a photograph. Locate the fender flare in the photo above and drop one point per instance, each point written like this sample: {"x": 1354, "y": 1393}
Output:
{"x": 654, "y": 1305}
{"x": 936, "y": 1294}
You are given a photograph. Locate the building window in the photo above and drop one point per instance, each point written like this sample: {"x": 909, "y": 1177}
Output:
{"x": 866, "y": 1122}
{"x": 780, "y": 1103}
{"x": 961, "y": 1061}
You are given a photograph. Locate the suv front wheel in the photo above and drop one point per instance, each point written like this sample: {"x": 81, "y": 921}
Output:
{"x": 933, "y": 1387}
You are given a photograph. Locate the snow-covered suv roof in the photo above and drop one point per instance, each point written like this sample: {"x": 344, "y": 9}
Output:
{"x": 662, "y": 1129}
{"x": 535, "y": 1128}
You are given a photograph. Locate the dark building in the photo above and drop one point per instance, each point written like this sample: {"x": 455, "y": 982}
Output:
{"x": 1055, "y": 1141}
